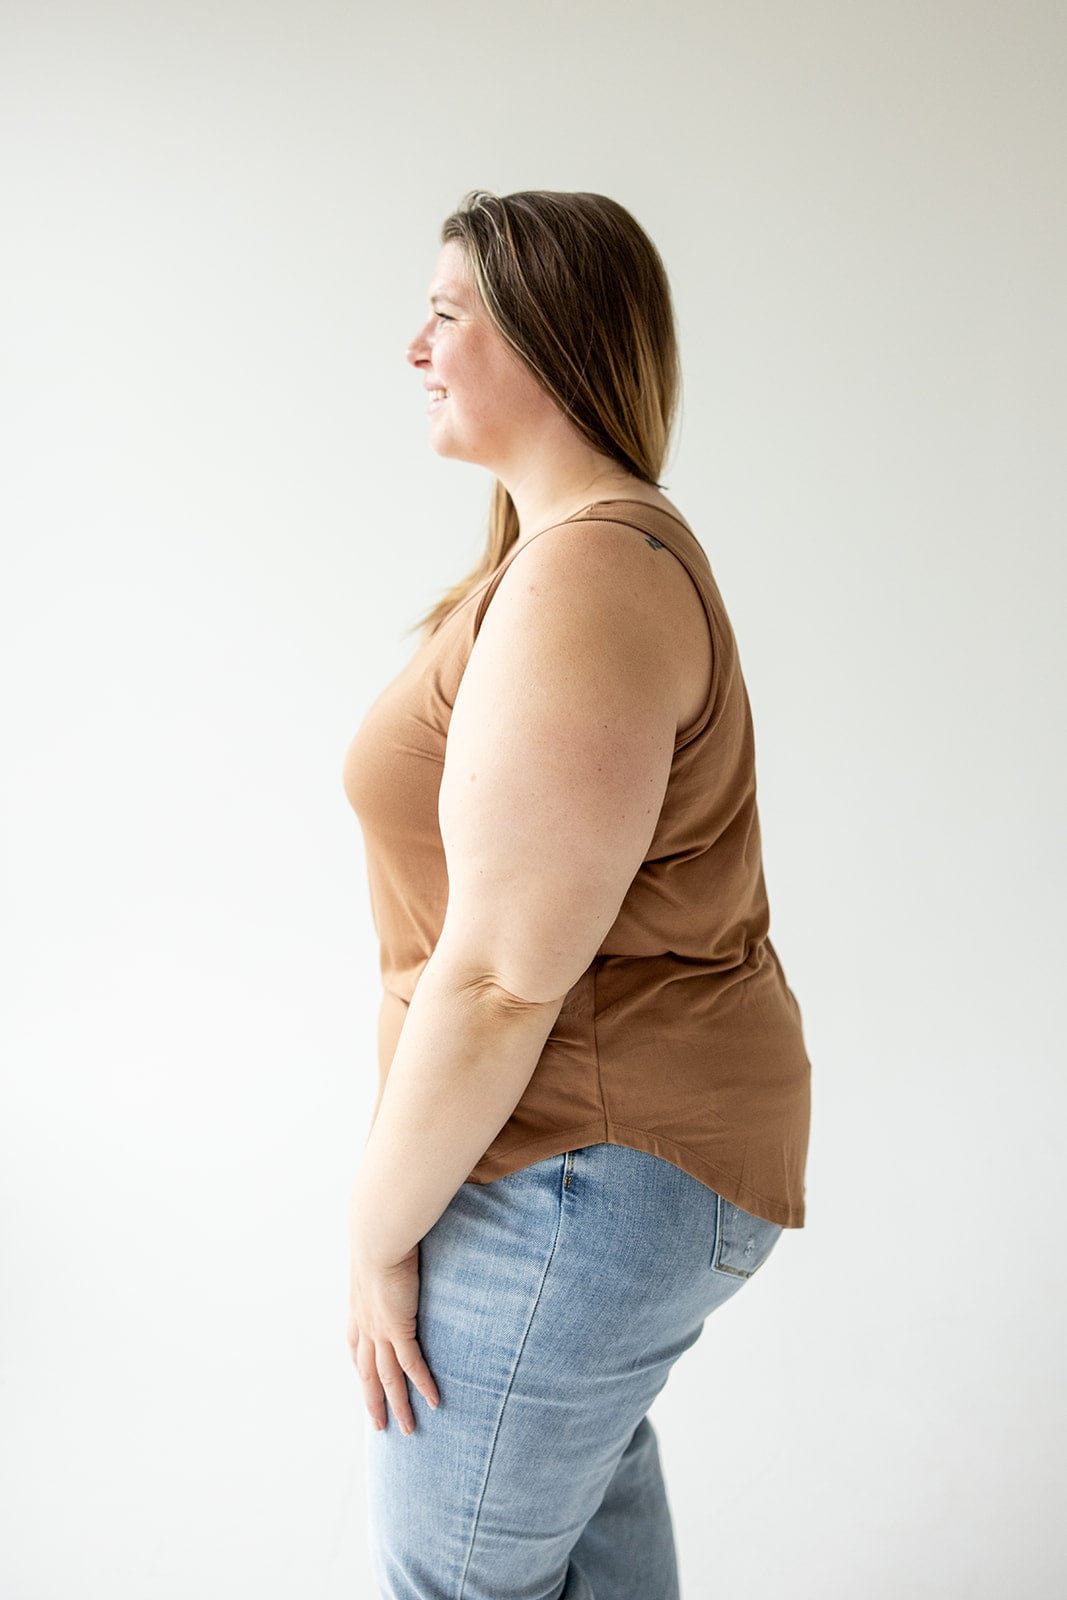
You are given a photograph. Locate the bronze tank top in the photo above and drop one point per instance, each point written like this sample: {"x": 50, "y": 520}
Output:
{"x": 682, "y": 1038}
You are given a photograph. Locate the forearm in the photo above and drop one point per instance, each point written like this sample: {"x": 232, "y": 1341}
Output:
{"x": 391, "y": 1014}
{"x": 465, "y": 1054}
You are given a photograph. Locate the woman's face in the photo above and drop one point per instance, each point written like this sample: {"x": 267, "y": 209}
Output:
{"x": 493, "y": 404}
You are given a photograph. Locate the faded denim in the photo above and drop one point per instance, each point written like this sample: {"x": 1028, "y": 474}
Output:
{"x": 553, "y": 1304}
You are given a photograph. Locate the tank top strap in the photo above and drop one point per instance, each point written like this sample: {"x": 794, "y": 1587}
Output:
{"x": 620, "y": 511}
{"x": 677, "y": 537}
{"x": 670, "y": 531}
{"x": 674, "y": 535}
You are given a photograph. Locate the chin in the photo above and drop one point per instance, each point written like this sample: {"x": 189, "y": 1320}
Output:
{"x": 453, "y": 451}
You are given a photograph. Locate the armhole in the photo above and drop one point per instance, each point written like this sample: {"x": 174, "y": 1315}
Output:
{"x": 488, "y": 591}
{"x": 687, "y": 735}
{"x": 695, "y": 729}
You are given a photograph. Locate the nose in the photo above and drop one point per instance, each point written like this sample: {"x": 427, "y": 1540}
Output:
{"x": 420, "y": 347}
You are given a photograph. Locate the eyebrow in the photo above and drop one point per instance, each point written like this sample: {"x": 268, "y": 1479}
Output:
{"x": 443, "y": 294}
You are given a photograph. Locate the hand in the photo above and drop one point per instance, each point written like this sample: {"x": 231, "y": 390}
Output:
{"x": 383, "y": 1304}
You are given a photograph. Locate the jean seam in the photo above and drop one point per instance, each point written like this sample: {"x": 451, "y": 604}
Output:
{"x": 721, "y": 1203}
{"x": 511, "y": 1380}
{"x": 717, "y": 1265}
{"x": 718, "y": 1232}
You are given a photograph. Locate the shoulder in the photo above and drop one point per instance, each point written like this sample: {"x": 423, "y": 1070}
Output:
{"x": 608, "y": 564}
{"x": 615, "y": 574}
{"x": 579, "y": 605}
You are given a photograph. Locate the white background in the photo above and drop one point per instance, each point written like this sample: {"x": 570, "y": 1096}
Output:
{"x": 220, "y": 512}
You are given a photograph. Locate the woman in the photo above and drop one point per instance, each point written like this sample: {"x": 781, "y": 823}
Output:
{"x": 592, "y": 1116}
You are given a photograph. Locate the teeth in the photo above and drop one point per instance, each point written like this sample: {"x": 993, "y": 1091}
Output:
{"x": 438, "y": 394}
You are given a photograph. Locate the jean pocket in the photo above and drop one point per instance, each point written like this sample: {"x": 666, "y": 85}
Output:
{"x": 742, "y": 1241}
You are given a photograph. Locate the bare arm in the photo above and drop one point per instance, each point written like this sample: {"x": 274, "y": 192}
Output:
{"x": 464, "y": 1057}
{"x": 557, "y": 760}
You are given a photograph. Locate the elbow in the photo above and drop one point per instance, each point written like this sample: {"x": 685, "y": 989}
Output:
{"x": 492, "y": 988}
{"x": 485, "y": 983}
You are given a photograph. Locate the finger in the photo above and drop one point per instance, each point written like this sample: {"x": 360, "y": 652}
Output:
{"x": 373, "y": 1395}
{"x": 413, "y": 1362}
{"x": 393, "y": 1381}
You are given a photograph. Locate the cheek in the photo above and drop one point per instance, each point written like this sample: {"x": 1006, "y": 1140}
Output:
{"x": 499, "y": 385}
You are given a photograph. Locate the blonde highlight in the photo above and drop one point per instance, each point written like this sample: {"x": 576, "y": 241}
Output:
{"x": 579, "y": 291}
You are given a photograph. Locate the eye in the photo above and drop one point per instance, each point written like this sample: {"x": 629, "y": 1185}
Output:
{"x": 443, "y": 317}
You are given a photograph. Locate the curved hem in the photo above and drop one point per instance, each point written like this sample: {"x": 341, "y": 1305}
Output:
{"x": 501, "y": 1165}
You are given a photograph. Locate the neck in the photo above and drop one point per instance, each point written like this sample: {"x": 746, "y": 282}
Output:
{"x": 544, "y": 507}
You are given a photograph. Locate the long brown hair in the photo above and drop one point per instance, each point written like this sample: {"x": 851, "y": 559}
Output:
{"x": 579, "y": 291}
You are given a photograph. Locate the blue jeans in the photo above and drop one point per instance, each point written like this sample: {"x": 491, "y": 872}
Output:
{"x": 553, "y": 1303}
